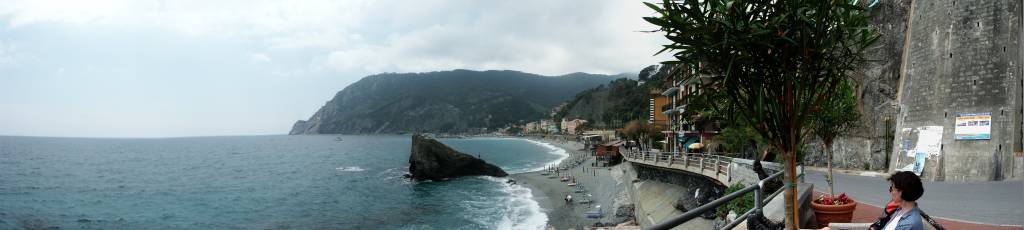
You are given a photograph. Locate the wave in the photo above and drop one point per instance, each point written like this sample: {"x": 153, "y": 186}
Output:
{"x": 521, "y": 210}
{"x": 350, "y": 169}
{"x": 396, "y": 174}
{"x": 555, "y": 150}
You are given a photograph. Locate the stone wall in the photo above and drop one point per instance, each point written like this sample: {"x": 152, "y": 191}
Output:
{"x": 870, "y": 144}
{"x": 677, "y": 177}
{"x": 962, "y": 57}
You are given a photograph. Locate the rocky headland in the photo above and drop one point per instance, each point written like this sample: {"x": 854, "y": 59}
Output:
{"x": 431, "y": 160}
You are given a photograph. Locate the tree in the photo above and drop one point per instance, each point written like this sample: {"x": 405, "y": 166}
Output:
{"x": 774, "y": 59}
{"x": 740, "y": 140}
{"x": 582, "y": 127}
{"x": 641, "y": 132}
{"x": 837, "y": 116}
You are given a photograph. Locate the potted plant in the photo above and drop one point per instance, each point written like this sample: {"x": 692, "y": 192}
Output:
{"x": 833, "y": 209}
{"x": 837, "y": 116}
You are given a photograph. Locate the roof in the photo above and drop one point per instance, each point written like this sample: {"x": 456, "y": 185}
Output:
{"x": 613, "y": 143}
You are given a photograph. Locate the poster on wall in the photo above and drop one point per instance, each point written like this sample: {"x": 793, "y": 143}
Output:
{"x": 929, "y": 141}
{"x": 920, "y": 143}
{"x": 919, "y": 162}
{"x": 973, "y": 126}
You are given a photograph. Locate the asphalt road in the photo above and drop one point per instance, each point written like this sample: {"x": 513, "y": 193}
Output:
{"x": 993, "y": 202}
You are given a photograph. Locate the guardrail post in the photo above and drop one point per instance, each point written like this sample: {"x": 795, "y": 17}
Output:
{"x": 728, "y": 173}
{"x": 758, "y": 195}
{"x": 752, "y": 219}
{"x": 718, "y": 161}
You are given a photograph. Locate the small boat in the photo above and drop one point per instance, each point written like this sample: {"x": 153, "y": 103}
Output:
{"x": 596, "y": 213}
{"x": 338, "y": 139}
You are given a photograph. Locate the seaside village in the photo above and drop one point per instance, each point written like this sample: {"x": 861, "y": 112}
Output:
{"x": 679, "y": 170}
{"x": 952, "y": 122}
{"x": 666, "y": 105}
{"x": 676, "y": 164}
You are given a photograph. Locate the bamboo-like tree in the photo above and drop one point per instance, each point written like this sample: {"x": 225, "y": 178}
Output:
{"x": 775, "y": 59}
{"x": 837, "y": 116}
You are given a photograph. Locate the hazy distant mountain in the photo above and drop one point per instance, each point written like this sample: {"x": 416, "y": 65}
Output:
{"x": 447, "y": 101}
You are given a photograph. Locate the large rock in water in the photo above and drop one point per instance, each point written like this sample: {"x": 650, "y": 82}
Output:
{"x": 431, "y": 160}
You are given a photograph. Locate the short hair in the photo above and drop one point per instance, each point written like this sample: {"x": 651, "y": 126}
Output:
{"x": 909, "y": 185}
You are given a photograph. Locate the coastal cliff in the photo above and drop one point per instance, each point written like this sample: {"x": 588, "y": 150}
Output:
{"x": 446, "y": 101}
{"x": 432, "y": 160}
{"x": 616, "y": 103}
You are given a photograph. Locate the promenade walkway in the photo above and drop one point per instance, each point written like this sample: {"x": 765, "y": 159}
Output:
{"x": 993, "y": 202}
{"x": 726, "y": 170}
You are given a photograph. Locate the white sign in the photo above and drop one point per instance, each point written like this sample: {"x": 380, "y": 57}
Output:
{"x": 929, "y": 141}
{"x": 973, "y": 126}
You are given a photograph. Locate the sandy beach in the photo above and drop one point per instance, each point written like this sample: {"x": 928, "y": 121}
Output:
{"x": 603, "y": 186}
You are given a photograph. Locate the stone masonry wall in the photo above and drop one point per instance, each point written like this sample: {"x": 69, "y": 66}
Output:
{"x": 868, "y": 147}
{"x": 962, "y": 57}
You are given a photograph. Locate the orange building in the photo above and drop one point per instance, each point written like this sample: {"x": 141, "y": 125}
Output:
{"x": 656, "y": 109}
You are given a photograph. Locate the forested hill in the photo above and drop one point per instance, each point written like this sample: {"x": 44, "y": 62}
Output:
{"x": 618, "y": 102}
{"x": 446, "y": 101}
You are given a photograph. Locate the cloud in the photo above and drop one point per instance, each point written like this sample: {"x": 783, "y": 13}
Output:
{"x": 533, "y": 36}
{"x": 390, "y": 36}
{"x": 104, "y": 61}
{"x": 260, "y": 58}
{"x": 7, "y": 53}
{"x": 275, "y": 21}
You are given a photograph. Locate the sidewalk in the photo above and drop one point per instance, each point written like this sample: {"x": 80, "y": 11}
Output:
{"x": 991, "y": 203}
{"x": 867, "y": 213}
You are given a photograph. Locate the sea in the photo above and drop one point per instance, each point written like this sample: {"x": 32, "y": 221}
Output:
{"x": 259, "y": 182}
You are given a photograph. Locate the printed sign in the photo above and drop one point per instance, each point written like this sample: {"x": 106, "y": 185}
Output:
{"x": 919, "y": 162}
{"x": 929, "y": 141}
{"x": 973, "y": 126}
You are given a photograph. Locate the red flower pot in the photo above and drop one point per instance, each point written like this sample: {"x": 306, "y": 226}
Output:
{"x": 826, "y": 214}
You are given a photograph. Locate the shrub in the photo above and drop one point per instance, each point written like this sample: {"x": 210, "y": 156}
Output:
{"x": 739, "y": 205}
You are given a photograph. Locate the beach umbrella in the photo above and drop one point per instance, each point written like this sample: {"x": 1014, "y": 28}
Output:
{"x": 696, "y": 146}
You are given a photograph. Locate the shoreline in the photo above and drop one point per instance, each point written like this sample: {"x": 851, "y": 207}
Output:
{"x": 603, "y": 184}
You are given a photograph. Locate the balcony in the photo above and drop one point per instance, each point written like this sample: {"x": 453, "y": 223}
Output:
{"x": 670, "y": 91}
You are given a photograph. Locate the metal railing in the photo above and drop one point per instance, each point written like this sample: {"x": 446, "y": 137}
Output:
{"x": 758, "y": 205}
{"x": 702, "y": 161}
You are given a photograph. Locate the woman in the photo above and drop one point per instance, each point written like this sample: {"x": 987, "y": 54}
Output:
{"x": 905, "y": 188}
{"x": 902, "y": 213}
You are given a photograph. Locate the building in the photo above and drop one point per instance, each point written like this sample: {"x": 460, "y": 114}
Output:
{"x": 656, "y": 107}
{"x": 682, "y": 132}
{"x": 531, "y": 127}
{"x": 548, "y": 126}
{"x": 606, "y": 134}
{"x": 571, "y": 126}
{"x": 608, "y": 153}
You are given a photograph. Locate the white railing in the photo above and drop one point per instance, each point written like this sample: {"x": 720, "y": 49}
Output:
{"x": 718, "y": 163}
{"x": 701, "y": 162}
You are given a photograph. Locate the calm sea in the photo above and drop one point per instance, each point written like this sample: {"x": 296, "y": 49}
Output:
{"x": 257, "y": 182}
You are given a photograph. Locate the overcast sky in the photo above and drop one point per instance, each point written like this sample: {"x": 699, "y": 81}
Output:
{"x": 153, "y": 68}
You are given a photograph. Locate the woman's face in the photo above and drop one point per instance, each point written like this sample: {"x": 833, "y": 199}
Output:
{"x": 895, "y": 193}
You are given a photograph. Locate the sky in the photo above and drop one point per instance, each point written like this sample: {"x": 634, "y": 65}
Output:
{"x": 151, "y": 68}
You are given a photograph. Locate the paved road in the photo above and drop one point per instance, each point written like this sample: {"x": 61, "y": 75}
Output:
{"x": 996, "y": 202}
